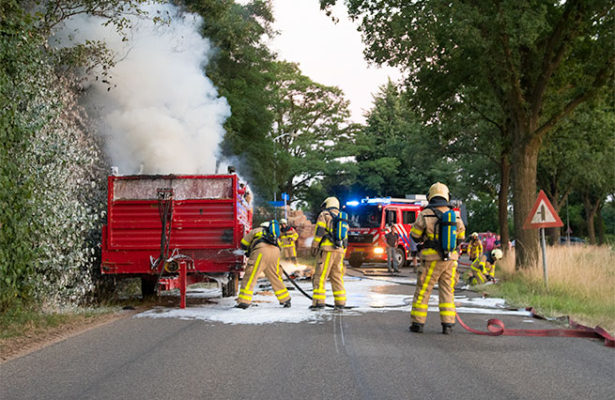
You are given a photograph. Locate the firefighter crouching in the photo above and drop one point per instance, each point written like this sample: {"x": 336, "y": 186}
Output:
{"x": 435, "y": 266}
{"x": 475, "y": 248}
{"x": 483, "y": 268}
{"x": 288, "y": 238}
{"x": 330, "y": 259}
{"x": 264, "y": 256}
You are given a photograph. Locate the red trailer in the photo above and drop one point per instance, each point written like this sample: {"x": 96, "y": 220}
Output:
{"x": 175, "y": 230}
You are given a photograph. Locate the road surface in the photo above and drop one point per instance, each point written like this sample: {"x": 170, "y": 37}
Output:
{"x": 345, "y": 355}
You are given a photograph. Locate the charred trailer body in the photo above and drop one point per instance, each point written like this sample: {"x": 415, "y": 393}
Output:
{"x": 175, "y": 230}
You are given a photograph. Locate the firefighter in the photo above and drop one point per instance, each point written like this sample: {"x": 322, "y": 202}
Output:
{"x": 330, "y": 259}
{"x": 288, "y": 238}
{"x": 435, "y": 265}
{"x": 483, "y": 268}
{"x": 475, "y": 248}
{"x": 264, "y": 256}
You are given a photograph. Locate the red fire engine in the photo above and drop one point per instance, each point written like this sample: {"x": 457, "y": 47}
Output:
{"x": 175, "y": 230}
{"x": 368, "y": 219}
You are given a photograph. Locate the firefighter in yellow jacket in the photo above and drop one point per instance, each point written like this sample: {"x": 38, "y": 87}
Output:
{"x": 483, "y": 268}
{"x": 288, "y": 238}
{"x": 330, "y": 259}
{"x": 475, "y": 248}
{"x": 435, "y": 267}
{"x": 264, "y": 256}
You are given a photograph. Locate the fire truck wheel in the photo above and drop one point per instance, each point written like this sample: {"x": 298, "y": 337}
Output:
{"x": 401, "y": 257}
{"x": 355, "y": 260}
{"x": 230, "y": 289}
{"x": 148, "y": 286}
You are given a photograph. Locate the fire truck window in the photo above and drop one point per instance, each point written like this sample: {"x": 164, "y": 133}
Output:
{"x": 391, "y": 216}
{"x": 409, "y": 217}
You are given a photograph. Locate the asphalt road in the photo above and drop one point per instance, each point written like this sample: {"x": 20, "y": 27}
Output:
{"x": 367, "y": 356}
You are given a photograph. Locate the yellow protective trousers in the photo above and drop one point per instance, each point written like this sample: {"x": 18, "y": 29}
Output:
{"x": 289, "y": 251}
{"x": 430, "y": 272}
{"x": 477, "y": 274}
{"x": 330, "y": 266}
{"x": 263, "y": 259}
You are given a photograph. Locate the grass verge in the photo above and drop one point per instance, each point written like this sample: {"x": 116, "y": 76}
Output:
{"x": 581, "y": 284}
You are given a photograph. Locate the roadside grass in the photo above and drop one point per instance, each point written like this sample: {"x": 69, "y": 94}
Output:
{"x": 581, "y": 284}
{"x": 28, "y": 321}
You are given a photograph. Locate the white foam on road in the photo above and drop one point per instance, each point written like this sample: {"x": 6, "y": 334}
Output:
{"x": 364, "y": 295}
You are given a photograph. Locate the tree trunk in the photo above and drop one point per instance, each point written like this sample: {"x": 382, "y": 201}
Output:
{"x": 525, "y": 159}
{"x": 600, "y": 227}
{"x": 590, "y": 213}
{"x": 503, "y": 200}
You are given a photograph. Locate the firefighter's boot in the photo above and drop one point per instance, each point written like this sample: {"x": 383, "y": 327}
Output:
{"x": 316, "y": 307}
{"x": 243, "y": 306}
{"x": 286, "y": 304}
{"x": 416, "y": 327}
{"x": 447, "y": 329}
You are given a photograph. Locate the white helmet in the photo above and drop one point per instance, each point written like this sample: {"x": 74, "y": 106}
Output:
{"x": 475, "y": 235}
{"x": 283, "y": 221}
{"x": 497, "y": 254}
{"x": 438, "y": 190}
{"x": 265, "y": 224}
{"x": 330, "y": 202}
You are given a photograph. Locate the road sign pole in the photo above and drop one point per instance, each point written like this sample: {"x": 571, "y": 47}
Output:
{"x": 544, "y": 255}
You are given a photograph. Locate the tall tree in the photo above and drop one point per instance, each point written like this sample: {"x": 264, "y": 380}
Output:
{"x": 395, "y": 153}
{"x": 310, "y": 120}
{"x": 537, "y": 59}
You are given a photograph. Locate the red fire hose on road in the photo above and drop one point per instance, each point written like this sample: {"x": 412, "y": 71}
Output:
{"x": 495, "y": 327}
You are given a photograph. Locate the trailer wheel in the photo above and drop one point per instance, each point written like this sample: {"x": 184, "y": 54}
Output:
{"x": 401, "y": 257}
{"x": 355, "y": 260}
{"x": 230, "y": 289}
{"x": 148, "y": 286}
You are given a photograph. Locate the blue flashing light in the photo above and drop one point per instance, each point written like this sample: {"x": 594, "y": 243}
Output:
{"x": 352, "y": 203}
{"x": 378, "y": 200}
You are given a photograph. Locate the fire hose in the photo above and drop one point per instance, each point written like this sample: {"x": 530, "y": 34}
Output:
{"x": 496, "y": 327}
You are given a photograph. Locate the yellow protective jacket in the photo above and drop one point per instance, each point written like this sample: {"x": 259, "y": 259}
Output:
{"x": 424, "y": 229}
{"x": 289, "y": 237}
{"x": 475, "y": 249}
{"x": 324, "y": 231}
{"x": 251, "y": 240}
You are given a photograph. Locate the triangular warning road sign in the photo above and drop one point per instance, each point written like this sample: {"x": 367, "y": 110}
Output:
{"x": 543, "y": 214}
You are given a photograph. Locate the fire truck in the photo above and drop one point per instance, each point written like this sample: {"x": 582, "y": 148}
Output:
{"x": 175, "y": 230}
{"x": 368, "y": 219}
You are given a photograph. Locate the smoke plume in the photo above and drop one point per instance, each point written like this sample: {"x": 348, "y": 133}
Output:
{"x": 160, "y": 114}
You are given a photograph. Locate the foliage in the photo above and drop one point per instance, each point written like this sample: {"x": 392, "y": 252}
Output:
{"x": 536, "y": 59}
{"x": 51, "y": 169}
{"x": 310, "y": 122}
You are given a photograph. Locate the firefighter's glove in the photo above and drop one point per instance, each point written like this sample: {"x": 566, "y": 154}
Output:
{"x": 314, "y": 251}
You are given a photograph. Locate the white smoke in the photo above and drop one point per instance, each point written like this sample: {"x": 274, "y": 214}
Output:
{"x": 161, "y": 114}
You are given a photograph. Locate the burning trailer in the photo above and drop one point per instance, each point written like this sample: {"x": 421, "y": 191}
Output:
{"x": 175, "y": 230}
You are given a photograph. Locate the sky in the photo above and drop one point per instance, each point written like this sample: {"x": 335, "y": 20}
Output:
{"x": 328, "y": 53}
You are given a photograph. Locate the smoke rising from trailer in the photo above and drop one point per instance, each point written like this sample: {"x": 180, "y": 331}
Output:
{"x": 160, "y": 114}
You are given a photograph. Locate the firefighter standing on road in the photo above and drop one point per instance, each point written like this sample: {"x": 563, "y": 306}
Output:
{"x": 434, "y": 268}
{"x": 288, "y": 238}
{"x": 475, "y": 248}
{"x": 264, "y": 256}
{"x": 330, "y": 259}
